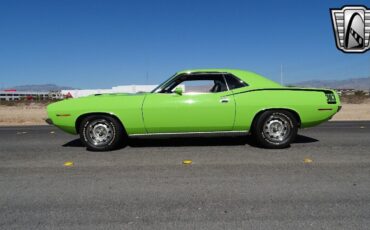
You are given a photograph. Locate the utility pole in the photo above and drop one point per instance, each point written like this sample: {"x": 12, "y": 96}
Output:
{"x": 281, "y": 74}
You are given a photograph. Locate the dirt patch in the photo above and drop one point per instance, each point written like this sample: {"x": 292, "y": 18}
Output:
{"x": 354, "y": 112}
{"x": 31, "y": 114}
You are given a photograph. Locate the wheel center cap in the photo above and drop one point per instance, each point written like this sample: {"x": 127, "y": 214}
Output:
{"x": 276, "y": 127}
{"x": 100, "y": 131}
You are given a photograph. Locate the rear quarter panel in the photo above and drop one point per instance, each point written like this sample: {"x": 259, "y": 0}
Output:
{"x": 305, "y": 103}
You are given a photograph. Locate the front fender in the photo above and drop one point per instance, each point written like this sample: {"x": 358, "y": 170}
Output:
{"x": 127, "y": 108}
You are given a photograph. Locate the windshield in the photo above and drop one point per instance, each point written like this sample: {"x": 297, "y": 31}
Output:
{"x": 161, "y": 86}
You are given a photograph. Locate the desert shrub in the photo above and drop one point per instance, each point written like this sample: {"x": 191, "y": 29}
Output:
{"x": 357, "y": 98}
{"x": 25, "y": 102}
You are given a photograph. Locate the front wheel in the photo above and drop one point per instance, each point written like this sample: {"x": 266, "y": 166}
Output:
{"x": 275, "y": 129}
{"x": 101, "y": 133}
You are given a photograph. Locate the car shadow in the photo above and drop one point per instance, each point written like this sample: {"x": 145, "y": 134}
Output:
{"x": 190, "y": 141}
{"x": 193, "y": 141}
{"x": 301, "y": 139}
{"x": 74, "y": 143}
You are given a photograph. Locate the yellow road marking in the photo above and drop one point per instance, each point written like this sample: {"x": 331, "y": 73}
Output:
{"x": 307, "y": 160}
{"x": 68, "y": 163}
{"x": 187, "y": 162}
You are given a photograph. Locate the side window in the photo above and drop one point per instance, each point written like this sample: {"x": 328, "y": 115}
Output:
{"x": 198, "y": 83}
{"x": 197, "y": 86}
{"x": 204, "y": 83}
{"x": 234, "y": 82}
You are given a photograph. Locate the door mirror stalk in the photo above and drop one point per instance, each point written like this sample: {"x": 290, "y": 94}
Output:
{"x": 178, "y": 91}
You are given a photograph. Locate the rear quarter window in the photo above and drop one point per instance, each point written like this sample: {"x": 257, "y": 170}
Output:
{"x": 234, "y": 82}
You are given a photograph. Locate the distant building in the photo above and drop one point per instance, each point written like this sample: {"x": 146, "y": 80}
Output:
{"x": 74, "y": 93}
{"x": 13, "y": 95}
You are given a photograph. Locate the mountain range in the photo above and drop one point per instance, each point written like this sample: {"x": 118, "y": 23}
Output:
{"x": 353, "y": 83}
{"x": 39, "y": 88}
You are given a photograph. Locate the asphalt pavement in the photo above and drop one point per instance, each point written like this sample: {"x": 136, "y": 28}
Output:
{"x": 321, "y": 182}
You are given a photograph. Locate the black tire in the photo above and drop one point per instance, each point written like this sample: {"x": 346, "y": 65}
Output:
{"x": 275, "y": 129}
{"x": 102, "y": 133}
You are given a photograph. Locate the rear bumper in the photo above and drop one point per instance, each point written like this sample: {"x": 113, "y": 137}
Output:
{"x": 49, "y": 121}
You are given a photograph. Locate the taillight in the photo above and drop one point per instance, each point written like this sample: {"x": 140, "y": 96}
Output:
{"x": 330, "y": 97}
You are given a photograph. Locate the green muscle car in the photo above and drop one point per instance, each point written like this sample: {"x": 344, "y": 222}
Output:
{"x": 197, "y": 102}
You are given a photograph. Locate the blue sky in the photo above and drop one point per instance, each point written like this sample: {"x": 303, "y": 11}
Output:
{"x": 100, "y": 44}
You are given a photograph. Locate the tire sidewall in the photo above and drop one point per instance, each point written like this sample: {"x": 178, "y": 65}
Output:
{"x": 260, "y": 135}
{"x": 116, "y": 129}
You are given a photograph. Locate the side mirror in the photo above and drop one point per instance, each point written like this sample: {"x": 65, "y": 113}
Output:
{"x": 178, "y": 90}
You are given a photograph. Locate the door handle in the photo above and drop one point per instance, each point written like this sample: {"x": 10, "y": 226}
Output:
{"x": 224, "y": 100}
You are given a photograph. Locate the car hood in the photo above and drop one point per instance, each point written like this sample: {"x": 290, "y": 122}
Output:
{"x": 116, "y": 94}
{"x": 97, "y": 102}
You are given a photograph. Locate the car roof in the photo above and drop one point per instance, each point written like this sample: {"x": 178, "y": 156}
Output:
{"x": 251, "y": 78}
{"x": 211, "y": 70}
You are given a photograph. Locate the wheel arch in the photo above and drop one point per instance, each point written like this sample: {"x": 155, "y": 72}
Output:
{"x": 82, "y": 116}
{"x": 293, "y": 112}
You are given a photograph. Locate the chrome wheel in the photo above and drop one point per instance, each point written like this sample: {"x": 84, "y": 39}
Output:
{"x": 276, "y": 128}
{"x": 100, "y": 132}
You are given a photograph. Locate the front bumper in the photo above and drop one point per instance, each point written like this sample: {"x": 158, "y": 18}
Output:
{"x": 49, "y": 121}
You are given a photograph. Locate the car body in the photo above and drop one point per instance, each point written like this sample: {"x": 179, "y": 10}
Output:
{"x": 233, "y": 104}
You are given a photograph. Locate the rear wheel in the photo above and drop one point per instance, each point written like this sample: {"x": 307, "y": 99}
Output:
{"x": 275, "y": 129}
{"x": 102, "y": 133}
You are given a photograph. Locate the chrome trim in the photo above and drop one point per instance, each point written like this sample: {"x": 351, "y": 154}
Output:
{"x": 205, "y": 72}
{"x": 191, "y": 133}
{"x": 224, "y": 100}
{"x": 227, "y": 85}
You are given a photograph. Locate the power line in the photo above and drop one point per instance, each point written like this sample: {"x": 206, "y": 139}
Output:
{"x": 281, "y": 75}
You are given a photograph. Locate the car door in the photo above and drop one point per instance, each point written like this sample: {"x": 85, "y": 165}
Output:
{"x": 200, "y": 108}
